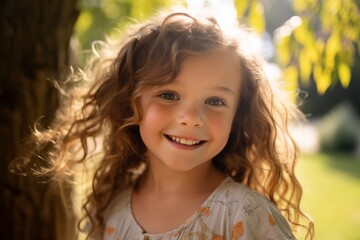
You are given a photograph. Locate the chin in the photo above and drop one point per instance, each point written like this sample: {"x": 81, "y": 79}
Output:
{"x": 184, "y": 167}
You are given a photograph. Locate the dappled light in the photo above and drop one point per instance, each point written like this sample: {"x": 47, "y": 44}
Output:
{"x": 311, "y": 48}
{"x": 311, "y": 52}
{"x": 306, "y": 51}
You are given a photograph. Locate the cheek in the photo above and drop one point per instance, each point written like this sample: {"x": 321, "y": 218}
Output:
{"x": 153, "y": 115}
{"x": 221, "y": 124}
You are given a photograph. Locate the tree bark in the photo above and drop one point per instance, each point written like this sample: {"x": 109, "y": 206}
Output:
{"x": 34, "y": 37}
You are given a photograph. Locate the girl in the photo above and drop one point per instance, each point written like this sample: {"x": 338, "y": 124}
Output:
{"x": 195, "y": 143}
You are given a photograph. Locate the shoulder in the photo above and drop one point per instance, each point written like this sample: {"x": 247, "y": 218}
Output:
{"x": 116, "y": 207}
{"x": 119, "y": 222}
{"x": 233, "y": 191}
{"x": 118, "y": 203}
{"x": 251, "y": 214}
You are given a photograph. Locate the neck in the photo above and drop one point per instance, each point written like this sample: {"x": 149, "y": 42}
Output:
{"x": 162, "y": 180}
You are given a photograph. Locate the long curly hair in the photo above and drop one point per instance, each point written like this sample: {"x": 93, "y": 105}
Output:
{"x": 102, "y": 108}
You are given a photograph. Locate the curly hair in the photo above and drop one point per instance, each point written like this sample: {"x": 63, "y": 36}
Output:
{"x": 105, "y": 107}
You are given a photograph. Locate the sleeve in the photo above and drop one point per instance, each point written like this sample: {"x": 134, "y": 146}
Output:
{"x": 258, "y": 218}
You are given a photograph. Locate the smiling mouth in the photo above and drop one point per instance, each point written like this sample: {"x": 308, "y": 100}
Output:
{"x": 184, "y": 141}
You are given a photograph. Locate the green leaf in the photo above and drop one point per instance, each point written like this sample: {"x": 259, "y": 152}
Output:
{"x": 256, "y": 16}
{"x": 329, "y": 36}
{"x": 303, "y": 33}
{"x": 344, "y": 74}
{"x": 305, "y": 5}
{"x": 299, "y": 5}
{"x": 111, "y": 9}
{"x": 283, "y": 49}
{"x": 291, "y": 78}
{"x": 319, "y": 47}
{"x": 241, "y": 7}
{"x": 84, "y": 22}
{"x": 333, "y": 46}
{"x": 322, "y": 79}
{"x": 142, "y": 9}
{"x": 304, "y": 67}
{"x": 311, "y": 52}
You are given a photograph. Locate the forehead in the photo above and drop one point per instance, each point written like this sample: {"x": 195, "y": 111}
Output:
{"x": 219, "y": 68}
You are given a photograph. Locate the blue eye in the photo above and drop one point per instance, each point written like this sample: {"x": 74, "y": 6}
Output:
{"x": 215, "y": 102}
{"x": 169, "y": 96}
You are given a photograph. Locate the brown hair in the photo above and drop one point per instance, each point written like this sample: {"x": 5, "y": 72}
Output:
{"x": 260, "y": 152}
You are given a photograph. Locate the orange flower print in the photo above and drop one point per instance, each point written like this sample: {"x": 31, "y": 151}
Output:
{"x": 217, "y": 237}
{"x": 205, "y": 211}
{"x": 238, "y": 230}
{"x": 272, "y": 220}
{"x": 109, "y": 231}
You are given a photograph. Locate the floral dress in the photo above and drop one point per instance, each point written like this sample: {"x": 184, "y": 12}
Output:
{"x": 231, "y": 212}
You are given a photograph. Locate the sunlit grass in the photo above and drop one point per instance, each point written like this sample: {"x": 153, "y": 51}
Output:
{"x": 332, "y": 194}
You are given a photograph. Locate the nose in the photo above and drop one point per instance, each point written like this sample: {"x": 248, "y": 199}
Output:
{"x": 190, "y": 116}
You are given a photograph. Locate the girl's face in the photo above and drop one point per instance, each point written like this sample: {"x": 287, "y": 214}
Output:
{"x": 188, "y": 121}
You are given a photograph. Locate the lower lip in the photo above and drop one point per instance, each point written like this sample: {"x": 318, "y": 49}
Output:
{"x": 184, "y": 147}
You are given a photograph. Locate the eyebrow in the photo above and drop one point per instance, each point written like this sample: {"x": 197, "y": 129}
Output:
{"x": 224, "y": 89}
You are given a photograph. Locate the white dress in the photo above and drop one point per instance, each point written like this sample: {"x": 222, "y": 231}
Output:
{"x": 232, "y": 211}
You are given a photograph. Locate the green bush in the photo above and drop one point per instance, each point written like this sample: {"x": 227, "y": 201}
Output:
{"x": 339, "y": 130}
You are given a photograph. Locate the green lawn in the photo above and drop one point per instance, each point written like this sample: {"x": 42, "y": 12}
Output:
{"x": 331, "y": 184}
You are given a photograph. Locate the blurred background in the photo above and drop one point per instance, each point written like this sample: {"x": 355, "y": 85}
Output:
{"x": 311, "y": 45}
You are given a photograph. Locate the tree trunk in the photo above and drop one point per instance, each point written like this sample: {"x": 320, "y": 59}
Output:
{"x": 34, "y": 37}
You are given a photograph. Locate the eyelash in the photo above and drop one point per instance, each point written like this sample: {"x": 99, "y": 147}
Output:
{"x": 172, "y": 96}
{"x": 165, "y": 95}
{"x": 219, "y": 102}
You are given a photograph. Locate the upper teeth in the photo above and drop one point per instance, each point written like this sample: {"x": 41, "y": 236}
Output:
{"x": 184, "y": 141}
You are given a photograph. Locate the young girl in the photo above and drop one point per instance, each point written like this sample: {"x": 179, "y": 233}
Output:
{"x": 195, "y": 141}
